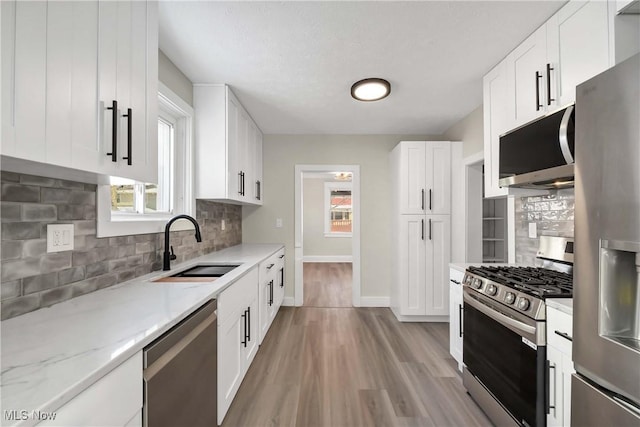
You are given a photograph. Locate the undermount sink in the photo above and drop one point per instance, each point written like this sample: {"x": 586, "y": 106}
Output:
{"x": 207, "y": 270}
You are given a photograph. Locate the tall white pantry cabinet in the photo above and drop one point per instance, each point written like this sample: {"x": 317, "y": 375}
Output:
{"x": 421, "y": 227}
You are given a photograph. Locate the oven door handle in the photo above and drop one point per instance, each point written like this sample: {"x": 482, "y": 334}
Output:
{"x": 499, "y": 317}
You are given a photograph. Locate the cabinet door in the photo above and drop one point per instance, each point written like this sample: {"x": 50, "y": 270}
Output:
{"x": 567, "y": 371}
{"x": 265, "y": 306}
{"x": 496, "y": 113}
{"x": 259, "y": 182}
{"x": 230, "y": 362}
{"x": 555, "y": 387}
{"x": 526, "y": 83}
{"x": 143, "y": 99}
{"x": 438, "y": 178}
{"x": 233, "y": 124}
{"x": 412, "y": 178}
{"x": 437, "y": 254}
{"x": 578, "y": 47}
{"x": 26, "y": 81}
{"x": 242, "y": 155}
{"x": 455, "y": 321}
{"x": 411, "y": 264}
{"x": 249, "y": 352}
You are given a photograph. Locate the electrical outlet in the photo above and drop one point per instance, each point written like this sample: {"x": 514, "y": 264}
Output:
{"x": 59, "y": 237}
{"x": 278, "y": 222}
{"x": 222, "y": 225}
{"x": 533, "y": 230}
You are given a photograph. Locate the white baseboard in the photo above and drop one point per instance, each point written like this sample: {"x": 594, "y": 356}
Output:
{"x": 374, "y": 301}
{"x": 288, "y": 302}
{"x": 327, "y": 258}
{"x": 404, "y": 318}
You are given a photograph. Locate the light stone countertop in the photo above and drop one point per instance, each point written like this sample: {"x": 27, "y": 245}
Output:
{"x": 563, "y": 304}
{"x": 51, "y": 355}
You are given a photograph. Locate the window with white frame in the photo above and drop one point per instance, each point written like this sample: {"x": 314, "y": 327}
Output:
{"x": 338, "y": 209}
{"x": 130, "y": 207}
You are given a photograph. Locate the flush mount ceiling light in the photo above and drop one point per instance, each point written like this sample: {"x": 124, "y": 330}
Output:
{"x": 370, "y": 89}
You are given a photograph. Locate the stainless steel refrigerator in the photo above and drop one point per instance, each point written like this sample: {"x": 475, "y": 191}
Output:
{"x": 606, "y": 316}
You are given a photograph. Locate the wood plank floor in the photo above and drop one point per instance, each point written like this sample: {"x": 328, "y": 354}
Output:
{"x": 327, "y": 284}
{"x": 352, "y": 367}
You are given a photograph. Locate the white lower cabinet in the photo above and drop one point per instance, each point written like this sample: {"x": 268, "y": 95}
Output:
{"x": 114, "y": 400}
{"x": 455, "y": 315}
{"x": 237, "y": 337}
{"x": 559, "y": 367}
{"x": 271, "y": 290}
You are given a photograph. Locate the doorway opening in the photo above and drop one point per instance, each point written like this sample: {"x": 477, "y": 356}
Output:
{"x": 327, "y": 236}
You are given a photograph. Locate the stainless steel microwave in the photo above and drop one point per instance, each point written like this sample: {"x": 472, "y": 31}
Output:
{"x": 540, "y": 154}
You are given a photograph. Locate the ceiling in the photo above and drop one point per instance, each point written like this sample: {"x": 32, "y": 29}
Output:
{"x": 292, "y": 64}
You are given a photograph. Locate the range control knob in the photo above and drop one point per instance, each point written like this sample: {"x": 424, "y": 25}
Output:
{"x": 510, "y": 298}
{"x": 467, "y": 280}
{"x": 491, "y": 290}
{"x": 477, "y": 283}
{"x": 523, "y": 304}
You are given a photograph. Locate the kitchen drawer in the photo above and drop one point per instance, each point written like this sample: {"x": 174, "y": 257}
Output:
{"x": 111, "y": 401}
{"x": 265, "y": 270}
{"x": 235, "y": 299}
{"x": 455, "y": 274}
{"x": 559, "y": 322}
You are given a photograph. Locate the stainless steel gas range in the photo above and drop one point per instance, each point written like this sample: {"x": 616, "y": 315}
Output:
{"x": 505, "y": 333}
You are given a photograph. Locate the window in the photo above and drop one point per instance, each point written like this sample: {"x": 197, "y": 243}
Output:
{"x": 139, "y": 207}
{"x": 338, "y": 209}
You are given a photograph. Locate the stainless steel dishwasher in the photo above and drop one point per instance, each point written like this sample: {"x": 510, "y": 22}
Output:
{"x": 180, "y": 373}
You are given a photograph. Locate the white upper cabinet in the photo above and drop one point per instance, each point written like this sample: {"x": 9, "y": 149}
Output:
{"x": 425, "y": 178}
{"x": 496, "y": 116}
{"x": 226, "y": 147}
{"x": 525, "y": 78}
{"x": 578, "y": 48}
{"x": 63, "y": 64}
{"x": 541, "y": 74}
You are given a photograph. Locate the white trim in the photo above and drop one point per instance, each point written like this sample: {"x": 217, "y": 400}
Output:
{"x": 288, "y": 302}
{"x": 375, "y": 301}
{"x": 355, "y": 243}
{"x": 327, "y": 258}
{"x": 404, "y": 318}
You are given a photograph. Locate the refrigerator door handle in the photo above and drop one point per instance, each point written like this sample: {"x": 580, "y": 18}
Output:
{"x": 563, "y": 137}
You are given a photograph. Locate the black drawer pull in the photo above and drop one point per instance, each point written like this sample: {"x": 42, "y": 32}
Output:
{"x": 455, "y": 281}
{"x": 564, "y": 335}
{"x": 114, "y": 131}
{"x": 129, "y": 117}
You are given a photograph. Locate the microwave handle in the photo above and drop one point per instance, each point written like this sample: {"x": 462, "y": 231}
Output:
{"x": 562, "y": 135}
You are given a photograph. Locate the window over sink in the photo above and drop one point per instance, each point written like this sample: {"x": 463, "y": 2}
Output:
{"x": 130, "y": 207}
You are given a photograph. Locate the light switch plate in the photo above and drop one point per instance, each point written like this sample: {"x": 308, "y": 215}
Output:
{"x": 59, "y": 237}
{"x": 223, "y": 225}
{"x": 533, "y": 230}
{"x": 278, "y": 222}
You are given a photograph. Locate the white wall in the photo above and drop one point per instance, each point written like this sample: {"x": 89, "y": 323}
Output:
{"x": 470, "y": 131}
{"x": 171, "y": 76}
{"x": 314, "y": 241}
{"x": 371, "y": 152}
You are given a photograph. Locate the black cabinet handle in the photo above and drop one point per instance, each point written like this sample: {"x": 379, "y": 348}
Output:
{"x": 422, "y": 228}
{"x": 454, "y": 281}
{"x": 240, "y": 183}
{"x": 270, "y": 266}
{"x": 430, "y": 199}
{"x": 549, "y": 98}
{"x": 129, "y": 117}
{"x": 244, "y": 316}
{"x": 281, "y": 256}
{"x": 242, "y": 175}
{"x": 422, "y": 200}
{"x": 564, "y": 335}
{"x": 460, "y": 319}
{"x": 248, "y": 323}
{"x": 258, "y": 189}
{"x": 282, "y": 277}
{"x": 538, "y": 77}
{"x": 548, "y": 394}
{"x": 271, "y": 293}
{"x": 114, "y": 131}
{"x": 430, "y": 229}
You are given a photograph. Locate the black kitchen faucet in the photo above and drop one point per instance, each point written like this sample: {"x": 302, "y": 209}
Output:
{"x": 168, "y": 256}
